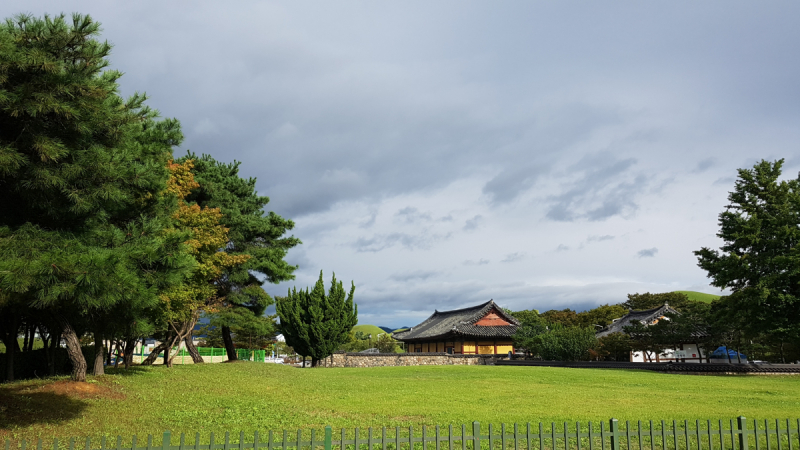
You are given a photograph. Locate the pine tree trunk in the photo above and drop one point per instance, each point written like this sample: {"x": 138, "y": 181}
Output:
{"x": 55, "y": 340}
{"x": 32, "y": 338}
{"x": 151, "y": 358}
{"x": 119, "y": 351}
{"x": 110, "y": 350}
{"x": 168, "y": 356}
{"x": 230, "y": 349}
{"x": 130, "y": 346}
{"x": 99, "y": 355}
{"x": 25, "y": 334}
{"x": 196, "y": 358}
{"x": 73, "y": 349}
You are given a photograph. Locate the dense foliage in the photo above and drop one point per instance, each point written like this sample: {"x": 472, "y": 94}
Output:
{"x": 104, "y": 238}
{"x": 316, "y": 324}
{"x": 82, "y": 171}
{"x": 251, "y": 232}
{"x": 759, "y": 260}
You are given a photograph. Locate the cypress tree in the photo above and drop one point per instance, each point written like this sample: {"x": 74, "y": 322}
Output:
{"x": 316, "y": 324}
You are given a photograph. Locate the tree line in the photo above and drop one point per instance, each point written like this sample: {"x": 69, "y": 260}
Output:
{"x": 758, "y": 263}
{"x": 105, "y": 235}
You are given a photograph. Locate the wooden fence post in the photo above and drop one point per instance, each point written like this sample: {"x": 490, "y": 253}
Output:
{"x": 476, "y": 436}
{"x": 743, "y": 441}
{"x": 165, "y": 441}
{"x": 613, "y": 425}
{"x": 328, "y": 433}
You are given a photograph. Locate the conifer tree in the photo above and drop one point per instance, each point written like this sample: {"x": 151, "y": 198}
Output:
{"x": 262, "y": 237}
{"x": 315, "y": 324}
{"x": 760, "y": 258}
{"x": 81, "y": 172}
{"x": 181, "y": 305}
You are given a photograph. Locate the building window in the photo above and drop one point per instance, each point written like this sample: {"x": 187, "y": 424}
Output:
{"x": 449, "y": 350}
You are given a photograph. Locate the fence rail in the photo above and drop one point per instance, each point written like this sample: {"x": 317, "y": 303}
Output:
{"x": 696, "y": 435}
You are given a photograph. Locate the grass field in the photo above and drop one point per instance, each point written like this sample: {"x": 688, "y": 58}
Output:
{"x": 249, "y": 396}
{"x": 700, "y": 296}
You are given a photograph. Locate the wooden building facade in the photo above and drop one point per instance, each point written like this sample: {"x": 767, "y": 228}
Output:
{"x": 483, "y": 329}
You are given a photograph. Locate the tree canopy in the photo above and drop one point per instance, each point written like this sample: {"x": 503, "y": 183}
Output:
{"x": 759, "y": 260}
{"x": 251, "y": 232}
{"x": 82, "y": 171}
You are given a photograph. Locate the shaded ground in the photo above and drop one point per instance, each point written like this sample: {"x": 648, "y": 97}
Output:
{"x": 31, "y": 404}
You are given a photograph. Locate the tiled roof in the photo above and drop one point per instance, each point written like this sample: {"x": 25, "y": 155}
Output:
{"x": 647, "y": 317}
{"x": 460, "y": 323}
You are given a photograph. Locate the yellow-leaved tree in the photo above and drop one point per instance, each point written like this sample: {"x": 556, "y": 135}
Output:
{"x": 182, "y": 305}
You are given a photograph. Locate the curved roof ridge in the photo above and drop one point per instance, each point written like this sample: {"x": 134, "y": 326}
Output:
{"x": 477, "y": 307}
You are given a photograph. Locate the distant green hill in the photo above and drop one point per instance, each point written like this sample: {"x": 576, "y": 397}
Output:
{"x": 700, "y": 296}
{"x": 368, "y": 329}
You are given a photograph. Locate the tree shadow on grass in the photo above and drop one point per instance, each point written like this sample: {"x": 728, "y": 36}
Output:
{"x": 27, "y": 404}
{"x": 130, "y": 371}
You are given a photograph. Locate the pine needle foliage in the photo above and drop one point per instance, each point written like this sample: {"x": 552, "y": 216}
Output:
{"x": 759, "y": 260}
{"x": 252, "y": 233}
{"x": 82, "y": 177}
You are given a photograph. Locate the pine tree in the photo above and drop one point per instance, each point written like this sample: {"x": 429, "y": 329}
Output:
{"x": 181, "y": 305}
{"x": 315, "y": 324}
{"x": 81, "y": 172}
{"x": 251, "y": 232}
{"x": 760, "y": 258}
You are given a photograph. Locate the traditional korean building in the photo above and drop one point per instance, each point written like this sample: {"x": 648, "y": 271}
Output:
{"x": 679, "y": 352}
{"x": 483, "y": 329}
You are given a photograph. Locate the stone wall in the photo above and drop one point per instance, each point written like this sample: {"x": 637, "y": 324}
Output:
{"x": 342, "y": 359}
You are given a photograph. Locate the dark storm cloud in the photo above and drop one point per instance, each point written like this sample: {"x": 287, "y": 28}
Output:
{"x": 604, "y": 188}
{"x": 510, "y": 183}
{"x": 647, "y": 252}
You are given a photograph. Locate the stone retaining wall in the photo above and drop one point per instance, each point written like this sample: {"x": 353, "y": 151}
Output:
{"x": 406, "y": 359}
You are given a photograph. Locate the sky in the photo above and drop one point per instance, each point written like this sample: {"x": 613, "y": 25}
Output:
{"x": 543, "y": 154}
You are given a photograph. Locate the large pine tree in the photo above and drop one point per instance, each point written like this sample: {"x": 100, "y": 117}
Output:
{"x": 760, "y": 257}
{"x": 252, "y": 232}
{"x": 82, "y": 174}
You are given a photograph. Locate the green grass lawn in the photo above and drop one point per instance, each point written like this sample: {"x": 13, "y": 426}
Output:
{"x": 700, "y": 296}
{"x": 250, "y": 396}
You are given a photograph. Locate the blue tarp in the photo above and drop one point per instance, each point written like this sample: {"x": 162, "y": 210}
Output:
{"x": 723, "y": 352}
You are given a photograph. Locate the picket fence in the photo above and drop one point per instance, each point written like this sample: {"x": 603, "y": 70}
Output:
{"x": 696, "y": 435}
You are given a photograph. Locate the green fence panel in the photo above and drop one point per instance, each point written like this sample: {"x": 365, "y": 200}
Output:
{"x": 783, "y": 434}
